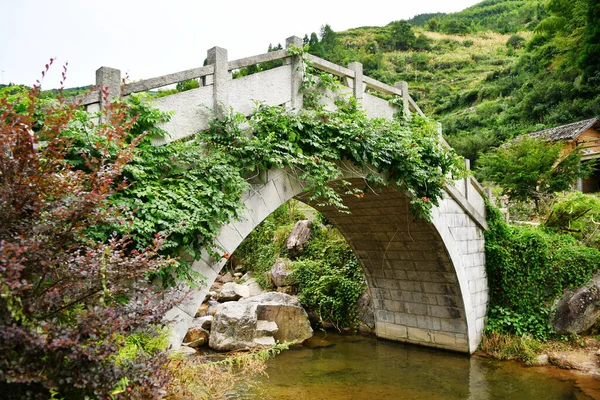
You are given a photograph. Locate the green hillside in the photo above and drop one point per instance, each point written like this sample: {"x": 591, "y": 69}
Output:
{"x": 521, "y": 65}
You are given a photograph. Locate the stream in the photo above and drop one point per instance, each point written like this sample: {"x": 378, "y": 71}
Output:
{"x": 357, "y": 367}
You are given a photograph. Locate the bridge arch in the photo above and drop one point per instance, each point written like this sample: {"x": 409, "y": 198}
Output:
{"x": 427, "y": 279}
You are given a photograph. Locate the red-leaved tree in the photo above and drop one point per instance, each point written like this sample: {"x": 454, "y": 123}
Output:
{"x": 67, "y": 303}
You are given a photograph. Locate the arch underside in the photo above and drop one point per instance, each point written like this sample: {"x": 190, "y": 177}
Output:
{"x": 412, "y": 281}
{"x": 426, "y": 279}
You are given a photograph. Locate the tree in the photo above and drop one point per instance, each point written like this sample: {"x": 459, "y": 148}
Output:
{"x": 454, "y": 26}
{"x": 67, "y": 302}
{"x": 533, "y": 168}
{"x": 402, "y": 36}
{"x": 590, "y": 56}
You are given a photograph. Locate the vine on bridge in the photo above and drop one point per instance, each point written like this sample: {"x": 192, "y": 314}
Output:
{"x": 189, "y": 188}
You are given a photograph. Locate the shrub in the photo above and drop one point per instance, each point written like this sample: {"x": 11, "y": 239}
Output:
{"x": 67, "y": 302}
{"x": 330, "y": 279}
{"x": 579, "y": 215}
{"x": 515, "y": 42}
{"x": 329, "y": 276}
{"x": 532, "y": 168}
{"x": 511, "y": 347}
{"x": 527, "y": 270}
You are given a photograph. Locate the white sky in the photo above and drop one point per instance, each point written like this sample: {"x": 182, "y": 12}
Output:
{"x": 148, "y": 38}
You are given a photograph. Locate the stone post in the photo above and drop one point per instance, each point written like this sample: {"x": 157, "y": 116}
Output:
{"x": 217, "y": 56}
{"x": 108, "y": 81}
{"x": 403, "y": 86}
{"x": 297, "y": 72}
{"x": 358, "y": 89}
{"x": 468, "y": 178}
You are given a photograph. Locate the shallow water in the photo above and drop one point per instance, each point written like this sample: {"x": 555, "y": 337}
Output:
{"x": 356, "y": 367}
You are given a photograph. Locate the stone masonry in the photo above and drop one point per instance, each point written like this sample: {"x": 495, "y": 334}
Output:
{"x": 427, "y": 279}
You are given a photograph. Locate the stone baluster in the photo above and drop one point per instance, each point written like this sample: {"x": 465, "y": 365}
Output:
{"x": 297, "y": 72}
{"x": 108, "y": 81}
{"x": 359, "y": 85}
{"x": 217, "y": 56}
{"x": 403, "y": 86}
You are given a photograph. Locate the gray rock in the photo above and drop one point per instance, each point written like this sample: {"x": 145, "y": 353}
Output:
{"x": 273, "y": 298}
{"x": 228, "y": 277}
{"x": 366, "y": 314}
{"x": 210, "y": 308}
{"x": 281, "y": 274}
{"x": 540, "y": 360}
{"x": 247, "y": 276}
{"x": 253, "y": 287}
{"x": 238, "y": 275}
{"x": 577, "y": 311}
{"x": 234, "y": 327}
{"x": 266, "y": 328}
{"x": 232, "y": 291}
{"x": 298, "y": 238}
{"x": 292, "y": 321}
{"x": 204, "y": 322}
{"x": 258, "y": 321}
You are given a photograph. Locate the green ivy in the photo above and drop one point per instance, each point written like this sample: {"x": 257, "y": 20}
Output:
{"x": 328, "y": 274}
{"x": 330, "y": 279}
{"x": 187, "y": 189}
{"x": 528, "y": 268}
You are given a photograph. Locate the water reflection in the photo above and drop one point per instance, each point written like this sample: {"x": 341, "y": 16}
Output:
{"x": 359, "y": 368}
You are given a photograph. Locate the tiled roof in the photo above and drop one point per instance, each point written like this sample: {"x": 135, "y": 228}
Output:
{"x": 567, "y": 132}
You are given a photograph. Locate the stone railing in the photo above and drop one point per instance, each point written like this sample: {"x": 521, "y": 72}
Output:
{"x": 218, "y": 72}
{"x": 219, "y": 92}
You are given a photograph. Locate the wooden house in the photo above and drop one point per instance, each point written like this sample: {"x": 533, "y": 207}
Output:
{"x": 585, "y": 134}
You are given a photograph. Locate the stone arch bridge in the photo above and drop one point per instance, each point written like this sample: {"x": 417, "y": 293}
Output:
{"x": 427, "y": 279}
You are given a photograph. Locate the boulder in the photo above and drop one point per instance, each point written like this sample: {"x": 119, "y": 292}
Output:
{"x": 238, "y": 275}
{"x": 234, "y": 327}
{"x": 273, "y": 298}
{"x": 292, "y": 321}
{"x": 196, "y": 337}
{"x": 254, "y": 288}
{"x": 577, "y": 311}
{"x": 228, "y": 277}
{"x": 298, "y": 237}
{"x": 232, "y": 291}
{"x": 206, "y": 308}
{"x": 286, "y": 312}
{"x": 281, "y": 274}
{"x": 257, "y": 321}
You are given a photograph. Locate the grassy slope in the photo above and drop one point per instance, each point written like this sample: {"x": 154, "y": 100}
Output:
{"x": 482, "y": 90}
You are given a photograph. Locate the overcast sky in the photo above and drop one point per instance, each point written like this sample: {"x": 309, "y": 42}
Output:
{"x": 147, "y": 38}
